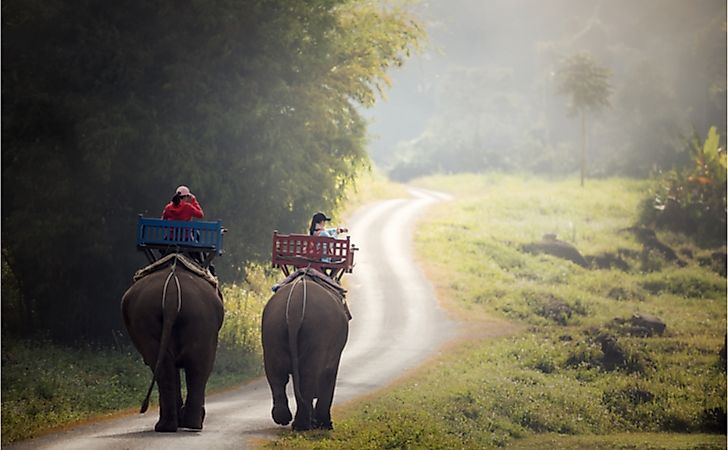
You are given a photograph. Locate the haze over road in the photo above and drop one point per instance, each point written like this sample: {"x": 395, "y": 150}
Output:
{"x": 396, "y": 325}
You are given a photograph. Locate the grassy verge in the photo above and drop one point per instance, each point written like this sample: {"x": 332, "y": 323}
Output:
{"x": 579, "y": 375}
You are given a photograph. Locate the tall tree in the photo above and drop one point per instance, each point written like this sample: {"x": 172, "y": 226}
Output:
{"x": 108, "y": 106}
{"x": 586, "y": 84}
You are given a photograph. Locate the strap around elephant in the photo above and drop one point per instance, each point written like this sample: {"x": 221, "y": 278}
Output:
{"x": 315, "y": 275}
{"x": 189, "y": 265}
{"x": 290, "y": 293}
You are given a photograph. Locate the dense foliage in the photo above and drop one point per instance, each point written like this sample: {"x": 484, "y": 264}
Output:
{"x": 693, "y": 199}
{"x": 108, "y": 106}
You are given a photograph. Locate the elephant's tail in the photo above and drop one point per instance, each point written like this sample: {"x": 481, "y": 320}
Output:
{"x": 294, "y": 322}
{"x": 169, "y": 316}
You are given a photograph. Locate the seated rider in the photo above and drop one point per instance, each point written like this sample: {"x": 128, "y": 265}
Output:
{"x": 184, "y": 206}
{"x": 318, "y": 228}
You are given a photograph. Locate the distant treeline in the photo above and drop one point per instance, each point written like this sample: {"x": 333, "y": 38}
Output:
{"x": 108, "y": 106}
{"x": 493, "y": 92}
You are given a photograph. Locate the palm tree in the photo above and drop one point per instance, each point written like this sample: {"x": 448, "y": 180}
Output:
{"x": 586, "y": 83}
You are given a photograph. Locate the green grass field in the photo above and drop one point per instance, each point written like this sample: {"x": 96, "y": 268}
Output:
{"x": 577, "y": 374}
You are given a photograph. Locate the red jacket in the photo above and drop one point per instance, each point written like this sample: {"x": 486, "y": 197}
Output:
{"x": 183, "y": 211}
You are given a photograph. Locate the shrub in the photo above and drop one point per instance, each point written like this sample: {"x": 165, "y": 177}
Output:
{"x": 692, "y": 200}
{"x": 243, "y": 308}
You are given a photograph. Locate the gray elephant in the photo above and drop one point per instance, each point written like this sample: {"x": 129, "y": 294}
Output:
{"x": 304, "y": 329}
{"x": 173, "y": 313}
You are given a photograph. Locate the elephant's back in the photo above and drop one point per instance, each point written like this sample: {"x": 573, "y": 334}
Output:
{"x": 143, "y": 300}
{"x": 318, "y": 309}
{"x": 193, "y": 290}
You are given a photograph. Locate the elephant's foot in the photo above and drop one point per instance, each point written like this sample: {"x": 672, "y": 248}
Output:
{"x": 192, "y": 418}
{"x": 281, "y": 415}
{"x": 322, "y": 425}
{"x": 166, "y": 426}
{"x": 301, "y": 425}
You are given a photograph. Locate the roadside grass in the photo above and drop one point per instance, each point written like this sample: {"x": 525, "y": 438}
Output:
{"x": 623, "y": 441}
{"x": 578, "y": 375}
{"x": 46, "y": 385}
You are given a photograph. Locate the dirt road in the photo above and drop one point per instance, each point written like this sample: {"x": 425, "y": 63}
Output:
{"x": 397, "y": 324}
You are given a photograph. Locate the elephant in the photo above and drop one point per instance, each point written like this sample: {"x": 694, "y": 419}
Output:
{"x": 173, "y": 313}
{"x": 305, "y": 326}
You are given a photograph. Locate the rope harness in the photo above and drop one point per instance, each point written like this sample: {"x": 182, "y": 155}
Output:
{"x": 176, "y": 281}
{"x": 332, "y": 289}
{"x": 290, "y": 293}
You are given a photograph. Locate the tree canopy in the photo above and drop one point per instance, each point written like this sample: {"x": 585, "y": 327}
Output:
{"x": 585, "y": 82}
{"x": 108, "y": 106}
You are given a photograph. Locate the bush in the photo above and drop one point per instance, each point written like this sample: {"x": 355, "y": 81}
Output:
{"x": 243, "y": 308}
{"x": 692, "y": 200}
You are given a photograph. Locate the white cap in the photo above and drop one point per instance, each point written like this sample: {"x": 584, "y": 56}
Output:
{"x": 183, "y": 190}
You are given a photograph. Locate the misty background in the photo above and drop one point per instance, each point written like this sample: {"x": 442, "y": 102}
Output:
{"x": 482, "y": 96}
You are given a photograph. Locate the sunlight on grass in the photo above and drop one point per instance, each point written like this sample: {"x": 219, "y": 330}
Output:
{"x": 579, "y": 375}
{"x": 370, "y": 186}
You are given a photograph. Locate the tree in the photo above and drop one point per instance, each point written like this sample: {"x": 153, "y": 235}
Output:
{"x": 108, "y": 106}
{"x": 586, "y": 83}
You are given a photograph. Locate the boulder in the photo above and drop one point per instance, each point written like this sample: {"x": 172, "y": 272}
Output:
{"x": 607, "y": 261}
{"x": 550, "y": 245}
{"x": 649, "y": 241}
{"x": 647, "y": 325}
{"x": 640, "y": 325}
{"x": 614, "y": 355}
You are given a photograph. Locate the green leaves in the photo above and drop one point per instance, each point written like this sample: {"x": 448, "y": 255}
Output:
{"x": 710, "y": 159}
{"x": 107, "y": 107}
{"x": 693, "y": 199}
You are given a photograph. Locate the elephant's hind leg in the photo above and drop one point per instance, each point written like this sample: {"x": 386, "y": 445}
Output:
{"x": 322, "y": 412}
{"x": 304, "y": 405}
{"x": 178, "y": 391}
{"x": 302, "y": 422}
{"x": 193, "y": 411}
{"x": 277, "y": 375}
{"x": 168, "y": 384}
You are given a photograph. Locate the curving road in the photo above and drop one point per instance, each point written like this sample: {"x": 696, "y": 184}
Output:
{"x": 397, "y": 324}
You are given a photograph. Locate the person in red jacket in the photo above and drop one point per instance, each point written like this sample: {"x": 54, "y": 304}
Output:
{"x": 183, "y": 206}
